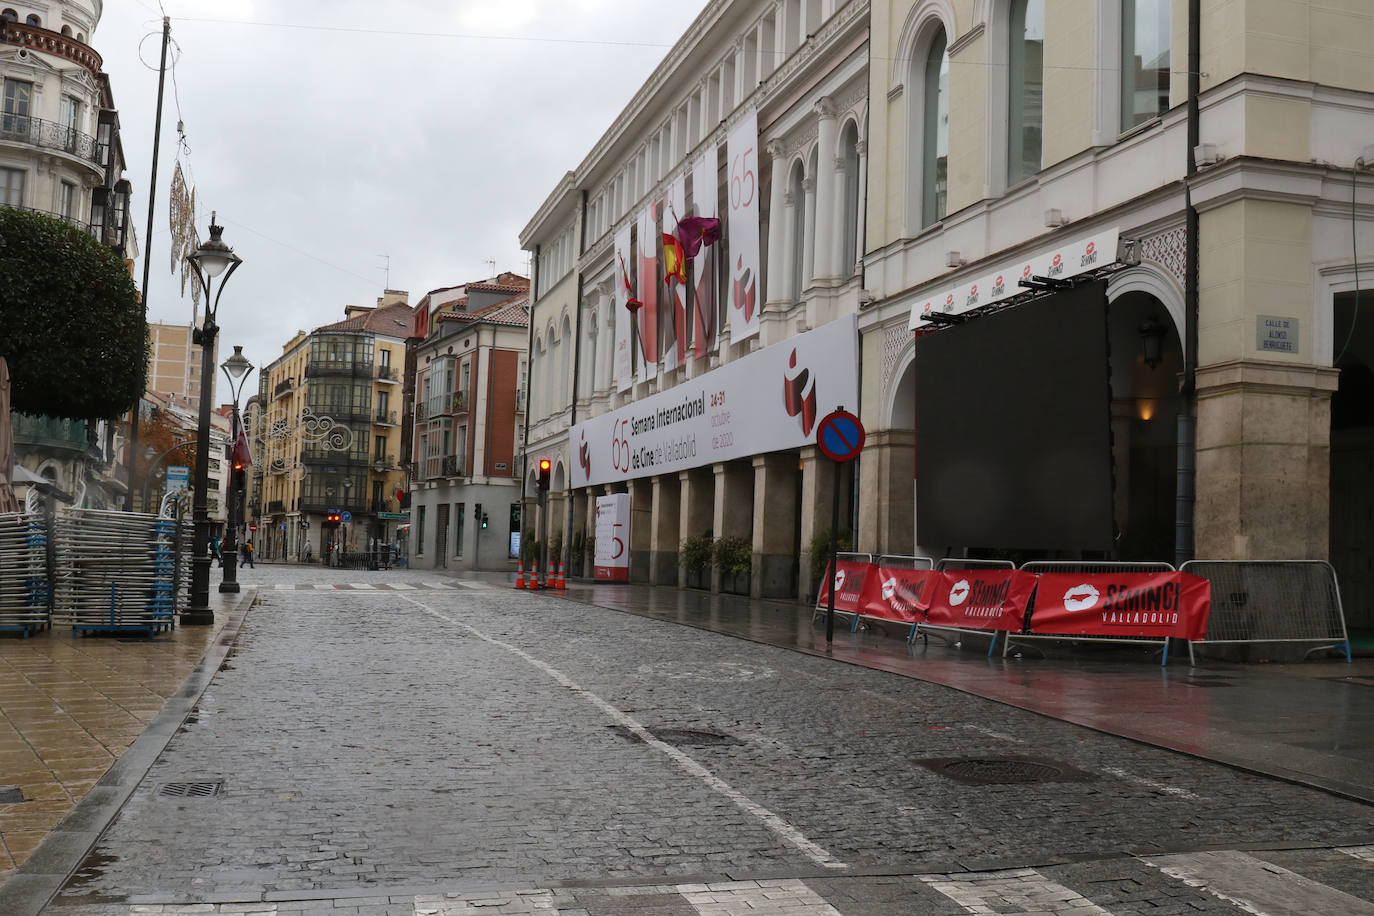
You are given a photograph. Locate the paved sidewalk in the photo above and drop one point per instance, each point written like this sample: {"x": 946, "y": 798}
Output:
{"x": 70, "y": 708}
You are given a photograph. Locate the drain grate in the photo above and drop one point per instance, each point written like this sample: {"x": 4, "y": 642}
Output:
{"x": 11, "y": 795}
{"x": 998, "y": 771}
{"x": 190, "y": 789}
{"x": 680, "y": 737}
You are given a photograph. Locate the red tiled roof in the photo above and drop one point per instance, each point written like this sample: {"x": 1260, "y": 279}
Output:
{"x": 394, "y": 320}
{"x": 514, "y": 311}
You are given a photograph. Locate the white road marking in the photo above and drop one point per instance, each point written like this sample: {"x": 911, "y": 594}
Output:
{"x": 1015, "y": 890}
{"x": 1360, "y": 852}
{"x": 363, "y": 585}
{"x": 773, "y": 822}
{"x": 770, "y": 896}
{"x": 511, "y": 903}
{"x": 1257, "y": 886}
{"x": 402, "y": 586}
{"x": 1151, "y": 783}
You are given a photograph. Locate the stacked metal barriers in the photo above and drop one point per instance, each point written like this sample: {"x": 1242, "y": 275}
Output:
{"x": 25, "y": 593}
{"x": 118, "y": 572}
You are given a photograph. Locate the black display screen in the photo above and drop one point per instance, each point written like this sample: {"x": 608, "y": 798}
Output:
{"x": 1013, "y": 435}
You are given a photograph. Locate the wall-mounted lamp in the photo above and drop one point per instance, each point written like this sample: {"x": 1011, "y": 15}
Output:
{"x": 1152, "y": 335}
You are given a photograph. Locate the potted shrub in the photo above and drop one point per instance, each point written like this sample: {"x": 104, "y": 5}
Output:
{"x": 734, "y": 557}
{"x": 694, "y": 555}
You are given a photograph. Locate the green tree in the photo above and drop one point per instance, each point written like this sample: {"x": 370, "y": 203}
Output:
{"x": 71, "y": 325}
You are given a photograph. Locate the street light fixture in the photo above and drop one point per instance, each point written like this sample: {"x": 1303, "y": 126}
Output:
{"x": 236, "y": 369}
{"x": 208, "y": 262}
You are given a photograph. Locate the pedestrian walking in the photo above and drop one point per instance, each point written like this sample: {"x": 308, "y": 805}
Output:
{"x": 215, "y": 550}
{"x": 247, "y": 555}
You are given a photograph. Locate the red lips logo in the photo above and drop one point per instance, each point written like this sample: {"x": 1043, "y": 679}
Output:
{"x": 999, "y": 280}
{"x": 799, "y": 394}
{"x": 1058, "y": 259}
{"x": 959, "y": 593}
{"x": 1092, "y": 246}
{"x": 949, "y": 300}
{"x": 584, "y": 457}
{"x": 744, "y": 289}
{"x": 1081, "y": 598}
{"x": 1025, "y": 271}
{"x": 973, "y": 290}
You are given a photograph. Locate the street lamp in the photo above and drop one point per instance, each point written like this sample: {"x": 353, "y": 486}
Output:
{"x": 212, "y": 259}
{"x": 236, "y": 369}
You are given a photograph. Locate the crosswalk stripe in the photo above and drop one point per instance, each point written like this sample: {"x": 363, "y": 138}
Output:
{"x": 514, "y": 903}
{"x": 999, "y": 891}
{"x": 732, "y": 897}
{"x": 402, "y": 586}
{"x": 1360, "y": 852}
{"x": 1257, "y": 886}
{"x": 362, "y": 585}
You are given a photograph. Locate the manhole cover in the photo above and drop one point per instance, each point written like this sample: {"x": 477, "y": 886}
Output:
{"x": 11, "y": 795}
{"x": 189, "y": 789}
{"x": 1003, "y": 770}
{"x": 680, "y": 737}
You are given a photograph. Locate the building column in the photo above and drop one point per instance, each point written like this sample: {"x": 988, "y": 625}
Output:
{"x": 818, "y": 483}
{"x": 887, "y": 485}
{"x": 733, "y": 506}
{"x": 775, "y": 526}
{"x": 663, "y": 545}
{"x": 827, "y": 217}
{"x": 696, "y": 509}
{"x": 862, "y": 149}
{"x": 641, "y": 493}
{"x": 589, "y": 521}
{"x": 776, "y": 289}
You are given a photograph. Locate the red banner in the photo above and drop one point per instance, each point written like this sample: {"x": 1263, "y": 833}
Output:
{"x": 851, "y": 579}
{"x": 981, "y": 599}
{"x": 1150, "y": 605}
{"x": 899, "y": 594}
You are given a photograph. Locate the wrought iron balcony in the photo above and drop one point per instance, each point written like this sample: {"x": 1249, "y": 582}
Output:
{"x": 383, "y": 462}
{"x": 387, "y": 374}
{"x": 49, "y": 135}
{"x": 385, "y": 418}
{"x": 50, "y": 432}
{"x": 276, "y": 507}
{"x": 282, "y": 387}
{"x": 452, "y": 466}
{"x": 460, "y": 402}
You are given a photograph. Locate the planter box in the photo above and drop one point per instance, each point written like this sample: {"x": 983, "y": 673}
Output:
{"x": 698, "y": 578}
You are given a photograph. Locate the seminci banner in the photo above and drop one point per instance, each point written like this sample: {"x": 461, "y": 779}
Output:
{"x": 767, "y": 401}
{"x": 1149, "y": 605}
{"x": 981, "y": 599}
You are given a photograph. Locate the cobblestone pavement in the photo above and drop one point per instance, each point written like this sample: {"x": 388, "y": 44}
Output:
{"x": 457, "y": 748}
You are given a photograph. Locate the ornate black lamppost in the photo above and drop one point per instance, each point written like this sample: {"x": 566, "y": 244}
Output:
{"x": 236, "y": 369}
{"x": 210, "y": 260}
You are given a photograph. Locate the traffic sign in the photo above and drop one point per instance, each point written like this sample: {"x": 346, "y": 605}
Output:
{"x": 252, "y": 527}
{"x": 345, "y": 516}
{"x": 840, "y": 436}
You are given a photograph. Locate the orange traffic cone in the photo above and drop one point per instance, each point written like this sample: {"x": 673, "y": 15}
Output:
{"x": 561, "y": 584}
{"x": 520, "y": 574}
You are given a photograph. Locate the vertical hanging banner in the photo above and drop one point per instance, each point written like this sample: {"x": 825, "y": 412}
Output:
{"x": 646, "y": 363}
{"x": 704, "y": 192}
{"x": 741, "y": 148}
{"x": 624, "y": 367}
{"x": 675, "y": 277}
{"x": 611, "y": 553}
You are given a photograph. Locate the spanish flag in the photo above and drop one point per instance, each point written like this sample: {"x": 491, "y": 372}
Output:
{"x": 674, "y": 262}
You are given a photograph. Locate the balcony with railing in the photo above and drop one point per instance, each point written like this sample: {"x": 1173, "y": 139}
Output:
{"x": 385, "y": 418}
{"x": 284, "y": 386}
{"x": 434, "y": 407}
{"x": 276, "y": 507}
{"x": 50, "y": 135}
{"x": 49, "y": 432}
{"x": 388, "y": 374}
{"x": 383, "y": 462}
{"x": 460, "y": 403}
{"x": 37, "y": 38}
{"x": 318, "y": 368}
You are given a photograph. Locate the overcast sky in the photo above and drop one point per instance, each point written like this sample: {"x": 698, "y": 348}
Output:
{"x": 329, "y": 134}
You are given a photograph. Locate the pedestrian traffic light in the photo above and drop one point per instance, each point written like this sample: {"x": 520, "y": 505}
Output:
{"x": 484, "y": 520}
{"x": 545, "y": 467}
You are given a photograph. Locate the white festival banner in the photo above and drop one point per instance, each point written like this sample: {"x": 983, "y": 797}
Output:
{"x": 675, "y": 334}
{"x": 646, "y": 318}
{"x": 764, "y": 402}
{"x": 624, "y": 368}
{"x": 1059, "y": 263}
{"x": 743, "y": 292}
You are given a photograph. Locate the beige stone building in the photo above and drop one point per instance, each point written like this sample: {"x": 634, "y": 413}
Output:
{"x": 174, "y": 364}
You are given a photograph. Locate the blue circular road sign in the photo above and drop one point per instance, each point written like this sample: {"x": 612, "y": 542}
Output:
{"x": 840, "y": 436}
{"x": 345, "y": 516}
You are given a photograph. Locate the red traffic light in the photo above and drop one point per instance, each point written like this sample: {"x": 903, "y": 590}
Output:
{"x": 545, "y": 466}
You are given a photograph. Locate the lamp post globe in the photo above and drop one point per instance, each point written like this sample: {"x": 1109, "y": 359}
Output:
{"x": 213, "y": 260}
{"x": 236, "y": 369}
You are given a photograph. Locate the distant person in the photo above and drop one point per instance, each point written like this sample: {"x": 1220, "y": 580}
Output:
{"x": 247, "y": 555}
{"x": 308, "y": 557}
{"x": 215, "y": 550}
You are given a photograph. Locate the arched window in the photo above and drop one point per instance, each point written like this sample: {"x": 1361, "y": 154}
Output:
{"x": 1025, "y": 95}
{"x": 1145, "y": 37}
{"x": 796, "y": 186}
{"x": 565, "y": 347}
{"x": 8, "y": 15}
{"x": 32, "y": 19}
{"x": 935, "y": 131}
{"x": 537, "y": 373}
{"x": 849, "y": 239}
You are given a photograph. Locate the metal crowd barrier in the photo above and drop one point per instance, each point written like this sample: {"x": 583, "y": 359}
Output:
{"x": 972, "y": 563}
{"x": 119, "y": 571}
{"x": 840, "y": 557}
{"x": 24, "y": 589}
{"x": 891, "y": 561}
{"x": 1088, "y": 567}
{"x": 924, "y": 630}
{"x": 1273, "y": 601}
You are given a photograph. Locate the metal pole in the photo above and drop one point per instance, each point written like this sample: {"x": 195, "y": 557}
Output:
{"x": 132, "y": 446}
{"x": 834, "y": 553}
{"x": 198, "y": 612}
{"x": 229, "y": 550}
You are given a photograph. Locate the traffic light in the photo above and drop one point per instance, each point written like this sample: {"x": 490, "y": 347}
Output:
{"x": 484, "y": 520}
{"x": 545, "y": 468}
{"x": 332, "y": 518}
